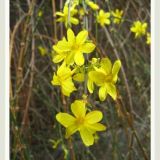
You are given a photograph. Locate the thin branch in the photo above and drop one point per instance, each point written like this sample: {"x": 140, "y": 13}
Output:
{"x": 32, "y": 63}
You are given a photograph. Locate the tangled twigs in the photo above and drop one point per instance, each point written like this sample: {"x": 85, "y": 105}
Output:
{"x": 128, "y": 118}
{"x": 32, "y": 63}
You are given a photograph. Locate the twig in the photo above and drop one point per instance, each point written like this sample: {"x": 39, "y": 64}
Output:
{"x": 24, "y": 121}
{"x": 130, "y": 124}
{"x": 54, "y": 20}
{"x": 61, "y": 25}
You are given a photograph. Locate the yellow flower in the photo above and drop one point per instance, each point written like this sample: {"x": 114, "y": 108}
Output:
{"x": 148, "y": 41}
{"x": 63, "y": 78}
{"x": 64, "y": 16}
{"x": 81, "y": 12}
{"x": 93, "y": 5}
{"x": 139, "y": 29}
{"x": 86, "y": 123}
{"x": 79, "y": 75}
{"x": 72, "y": 50}
{"x": 42, "y": 50}
{"x": 117, "y": 14}
{"x": 94, "y": 63}
{"x": 105, "y": 77}
{"x": 103, "y": 18}
{"x": 40, "y": 13}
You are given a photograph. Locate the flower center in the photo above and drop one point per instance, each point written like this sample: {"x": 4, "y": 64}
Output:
{"x": 80, "y": 121}
{"x": 75, "y": 47}
{"x": 108, "y": 78}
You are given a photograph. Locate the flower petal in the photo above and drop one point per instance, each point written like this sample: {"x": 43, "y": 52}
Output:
{"x": 88, "y": 47}
{"x": 67, "y": 87}
{"x": 74, "y": 20}
{"x": 79, "y": 58}
{"x": 65, "y": 119}
{"x": 59, "y": 14}
{"x": 90, "y": 85}
{"x": 86, "y": 136}
{"x": 70, "y": 36}
{"x": 61, "y": 19}
{"x": 107, "y": 21}
{"x": 63, "y": 46}
{"x": 71, "y": 130}
{"x": 70, "y": 58}
{"x": 106, "y": 65}
{"x": 93, "y": 117}
{"x": 78, "y": 108}
{"x": 55, "y": 80}
{"x": 111, "y": 90}
{"x": 97, "y": 77}
{"x": 81, "y": 37}
{"x": 97, "y": 127}
{"x": 102, "y": 93}
{"x": 115, "y": 70}
{"x": 79, "y": 77}
{"x": 64, "y": 71}
{"x": 58, "y": 58}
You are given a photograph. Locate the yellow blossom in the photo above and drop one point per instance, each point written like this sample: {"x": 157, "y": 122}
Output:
{"x": 117, "y": 14}
{"x": 148, "y": 41}
{"x": 40, "y": 13}
{"x": 81, "y": 12}
{"x": 42, "y": 50}
{"x": 72, "y": 49}
{"x": 86, "y": 123}
{"x": 63, "y": 78}
{"x": 103, "y": 18}
{"x": 64, "y": 16}
{"x": 92, "y": 5}
{"x": 79, "y": 75}
{"x": 139, "y": 29}
{"x": 105, "y": 77}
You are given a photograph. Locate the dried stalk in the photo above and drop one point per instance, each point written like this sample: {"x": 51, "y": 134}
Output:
{"x": 32, "y": 63}
{"x": 54, "y": 20}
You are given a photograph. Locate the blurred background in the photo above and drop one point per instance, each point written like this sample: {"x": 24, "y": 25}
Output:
{"x": 34, "y": 102}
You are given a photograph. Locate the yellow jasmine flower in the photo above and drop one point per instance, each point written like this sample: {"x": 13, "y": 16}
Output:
{"x": 86, "y": 123}
{"x": 64, "y": 16}
{"x": 42, "y": 50}
{"x": 93, "y": 5}
{"x": 94, "y": 63}
{"x": 105, "y": 77}
{"x": 148, "y": 41}
{"x": 117, "y": 14}
{"x": 79, "y": 75}
{"x": 63, "y": 78}
{"x": 76, "y": 2}
{"x": 40, "y": 13}
{"x": 72, "y": 49}
{"x": 81, "y": 12}
{"x": 103, "y": 18}
{"x": 139, "y": 29}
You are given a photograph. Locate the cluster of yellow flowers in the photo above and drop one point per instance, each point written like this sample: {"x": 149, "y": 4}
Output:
{"x": 140, "y": 29}
{"x": 70, "y": 53}
{"x": 103, "y": 18}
